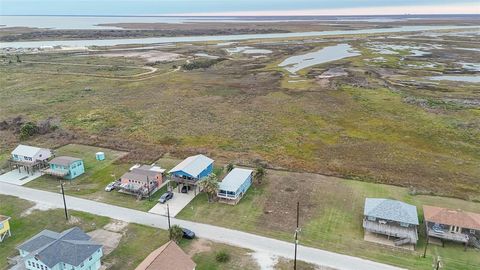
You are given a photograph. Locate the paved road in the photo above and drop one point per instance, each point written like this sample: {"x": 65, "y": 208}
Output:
{"x": 214, "y": 233}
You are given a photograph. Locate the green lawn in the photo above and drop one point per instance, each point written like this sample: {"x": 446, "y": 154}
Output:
{"x": 97, "y": 175}
{"x": 136, "y": 243}
{"x": 331, "y": 214}
{"x": 25, "y": 226}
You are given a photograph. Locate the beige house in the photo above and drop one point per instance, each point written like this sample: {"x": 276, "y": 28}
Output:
{"x": 453, "y": 225}
{"x": 168, "y": 257}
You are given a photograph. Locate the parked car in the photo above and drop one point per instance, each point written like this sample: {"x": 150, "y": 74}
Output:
{"x": 187, "y": 234}
{"x": 165, "y": 197}
{"x": 111, "y": 186}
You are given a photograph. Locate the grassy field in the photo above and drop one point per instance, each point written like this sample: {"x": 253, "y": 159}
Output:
{"x": 330, "y": 217}
{"x": 97, "y": 175}
{"x": 373, "y": 125}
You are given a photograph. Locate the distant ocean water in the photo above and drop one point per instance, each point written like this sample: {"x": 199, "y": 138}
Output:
{"x": 92, "y": 22}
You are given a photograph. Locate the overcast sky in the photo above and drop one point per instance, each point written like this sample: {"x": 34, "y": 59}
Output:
{"x": 236, "y": 7}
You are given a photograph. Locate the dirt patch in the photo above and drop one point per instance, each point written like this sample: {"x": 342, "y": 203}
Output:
{"x": 109, "y": 240}
{"x": 150, "y": 56}
{"x": 37, "y": 206}
{"x": 116, "y": 226}
{"x": 198, "y": 246}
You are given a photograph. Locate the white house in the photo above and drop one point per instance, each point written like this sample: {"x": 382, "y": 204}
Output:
{"x": 29, "y": 158}
{"x": 30, "y": 154}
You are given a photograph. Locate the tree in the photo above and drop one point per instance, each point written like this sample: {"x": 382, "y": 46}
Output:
{"x": 260, "y": 174}
{"x": 210, "y": 185}
{"x": 230, "y": 167}
{"x": 176, "y": 233}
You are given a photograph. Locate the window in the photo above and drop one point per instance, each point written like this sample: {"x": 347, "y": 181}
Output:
{"x": 472, "y": 231}
{"x": 29, "y": 263}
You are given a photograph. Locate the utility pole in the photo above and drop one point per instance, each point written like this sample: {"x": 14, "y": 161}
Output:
{"x": 168, "y": 216}
{"x": 426, "y": 245}
{"x": 64, "y": 202}
{"x": 297, "y": 230}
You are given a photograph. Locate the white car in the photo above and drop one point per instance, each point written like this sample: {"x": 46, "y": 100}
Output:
{"x": 110, "y": 187}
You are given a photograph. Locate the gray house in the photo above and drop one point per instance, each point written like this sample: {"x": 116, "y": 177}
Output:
{"x": 397, "y": 220}
{"x": 71, "y": 249}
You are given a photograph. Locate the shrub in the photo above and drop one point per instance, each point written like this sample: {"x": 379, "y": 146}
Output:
{"x": 202, "y": 63}
{"x": 28, "y": 129}
{"x": 222, "y": 256}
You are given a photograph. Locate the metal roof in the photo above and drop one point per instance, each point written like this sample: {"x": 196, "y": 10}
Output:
{"x": 391, "y": 210}
{"x": 26, "y": 150}
{"x": 64, "y": 160}
{"x": 193, "y": 165}
{"x": 235, "y": 179}
{"x": 72, "y": 246}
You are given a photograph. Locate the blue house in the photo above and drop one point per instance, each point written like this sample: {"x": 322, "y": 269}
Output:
{"x": 66, "y": 167}
{"x": 69, "y": 250}
{"x": 234, "y": 185}
{"x": 192, "y": 169}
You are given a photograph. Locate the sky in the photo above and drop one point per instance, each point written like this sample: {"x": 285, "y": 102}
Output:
{"x": 237, "y": 7}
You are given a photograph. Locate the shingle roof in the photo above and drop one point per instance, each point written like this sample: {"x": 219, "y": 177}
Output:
{"x": 168, "y": 257}
{"x": 391, "y": 210}
{"x": 72, "y": 246}
{"x": 193, "y": 165}
{"x": 235, "y": 179}
{"x": 26, "y": 150}
{"x": 452, "y": 217}
{"x": 64, "y": 160}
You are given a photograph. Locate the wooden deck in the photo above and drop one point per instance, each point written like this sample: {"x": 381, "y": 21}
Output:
{"x": 457, "y": 237}
{"x": 391, "y": 230}
{"x": 228, "y": 199}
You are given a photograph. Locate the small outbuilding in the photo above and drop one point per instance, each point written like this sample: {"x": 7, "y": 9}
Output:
{"x": 396, "y": 220}
{"x": 4, "y": 227}
{"x": 65, "y": 167}
{"x": 235, "y": 185}
{"x": 192, "y": 169}
{"x": 100, "y": 156}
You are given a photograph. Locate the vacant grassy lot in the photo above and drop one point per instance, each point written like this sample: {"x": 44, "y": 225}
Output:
{"x": 97, "y": 175}
{"x": 331, "y": 217}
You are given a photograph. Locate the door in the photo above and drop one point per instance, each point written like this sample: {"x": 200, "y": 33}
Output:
{"x": 454, "y": 229}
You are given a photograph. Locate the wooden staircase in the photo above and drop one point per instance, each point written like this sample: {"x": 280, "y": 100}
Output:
{"x": 474, "y": 241}
{"x": 401, "y": 241}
